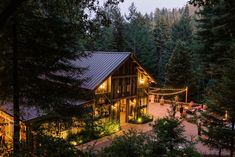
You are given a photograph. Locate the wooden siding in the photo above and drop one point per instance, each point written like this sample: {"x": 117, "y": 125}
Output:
{"x": 6, "y": 130}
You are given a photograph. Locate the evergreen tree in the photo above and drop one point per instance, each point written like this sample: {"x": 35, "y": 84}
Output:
{"x": 182, "y": 30}
{"x": 45, "y": 37}
{"x": 161, "y": 37}
{"x": 104, "y": 41}
{"x": 132, "y": 13}
{"x": 169, "y": 132}
{"x": 111, "y": 37}
{"x": 148, "y": 36}
{"x": 118, "y": 30}
{"x": 216, "y": 37}
{"x": 212, "y": 38}
{"x": 221, "y": 101}
{"x": 178, "y": 71}
{"x": 139, "y": 39}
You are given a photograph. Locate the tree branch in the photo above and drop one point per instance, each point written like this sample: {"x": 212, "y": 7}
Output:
{"x": 9, "y": 10}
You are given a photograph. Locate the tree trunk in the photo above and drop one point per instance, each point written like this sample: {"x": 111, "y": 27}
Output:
{"x": 220, "y": 151}
{"x": 232, "y": 141}
{"x": 16, "y": 136}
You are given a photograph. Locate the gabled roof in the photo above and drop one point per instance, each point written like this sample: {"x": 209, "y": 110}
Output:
{"x": 26, "y": 112}
{"x": 99, "y": 66}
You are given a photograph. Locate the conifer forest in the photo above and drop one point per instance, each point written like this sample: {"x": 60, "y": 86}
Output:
{"x": 44, "y": 46}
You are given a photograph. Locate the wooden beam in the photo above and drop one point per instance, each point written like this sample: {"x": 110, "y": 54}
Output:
{"x": 124, "y": 76}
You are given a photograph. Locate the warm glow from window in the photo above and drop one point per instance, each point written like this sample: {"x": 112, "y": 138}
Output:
{"x": 102, "y": 86}
{"x": 141, "y": 81}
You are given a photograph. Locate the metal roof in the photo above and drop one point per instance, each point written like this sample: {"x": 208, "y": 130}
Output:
{"x": 26, "y": 112}
{"x": 99, "y": 66}
{"x": 31, "y": 112}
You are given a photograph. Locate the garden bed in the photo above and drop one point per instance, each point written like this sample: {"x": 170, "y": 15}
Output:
{"x": 141, "y": 119}
{"x": 101, "y": 128}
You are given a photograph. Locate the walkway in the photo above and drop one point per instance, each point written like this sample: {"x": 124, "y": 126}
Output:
{"x": 157, "y": 111}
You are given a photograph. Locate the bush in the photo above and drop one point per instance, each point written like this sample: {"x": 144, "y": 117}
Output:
{"x": 54, "y": 147}
{"x": 168, "y": 141}
{"x": 131, "y": 144}
{"x": 107, "y": 127}
{"x": 142, "y": 119}
{"x": 190, "y": 152}
{"x": 169, "y": 131}
{"x": 102, "y": 127}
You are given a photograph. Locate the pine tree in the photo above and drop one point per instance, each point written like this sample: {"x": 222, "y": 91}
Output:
{"x": 104, "y": 40}
{"x": 118, "y": 30}
{"x": 216, "y": 37}
{"x": 182, "y": 30}
{"x": 179, "y": 71}
{"x": 221, "y": 101}
{"x": 212, "y": 39}
{"x": 47, "y": 35}
{"x": 169, "y": 132}
{"x": 139, "y": 39}
{"x": 161, "y": 34}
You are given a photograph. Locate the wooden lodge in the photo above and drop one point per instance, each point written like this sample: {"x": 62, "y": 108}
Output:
{"x": 116, "y": 85}
{"x": 119, "y": 85}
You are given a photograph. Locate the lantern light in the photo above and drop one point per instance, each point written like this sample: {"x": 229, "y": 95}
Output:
{"x": 141, "y": 81}
{"x": 102, "y": 86}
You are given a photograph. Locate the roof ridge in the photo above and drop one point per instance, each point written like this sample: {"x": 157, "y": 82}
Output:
{"x": 99, "y": 65}
{"x": 110, "y": 52}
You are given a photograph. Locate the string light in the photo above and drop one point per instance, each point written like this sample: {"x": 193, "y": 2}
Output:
{"x": 165, "y": 94}
{"x": 157, "y": 89}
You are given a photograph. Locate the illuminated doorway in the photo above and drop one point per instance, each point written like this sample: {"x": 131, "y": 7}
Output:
{"x": 123, "y": 119}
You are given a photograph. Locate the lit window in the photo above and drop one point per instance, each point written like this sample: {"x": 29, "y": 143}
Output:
{"x": 141, "y": 81}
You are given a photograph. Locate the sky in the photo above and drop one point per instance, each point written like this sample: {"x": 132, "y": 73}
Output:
{"x": 147, "y": 6}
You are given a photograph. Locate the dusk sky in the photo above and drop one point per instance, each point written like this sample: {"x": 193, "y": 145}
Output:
{"x": 147, "y": 6}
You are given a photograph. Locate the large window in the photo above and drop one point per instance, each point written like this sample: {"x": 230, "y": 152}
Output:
{"x": 104, "y": 87}
{"x": 142, "y": 108}
{"x": 123, "y": 87}
{"x": 142, "y": 79}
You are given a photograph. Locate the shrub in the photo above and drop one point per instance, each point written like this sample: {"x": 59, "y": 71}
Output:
{"x": 54, "y": 147}
{"x": 102, "y": 127}
{"x": 106, "y": 127}
{"x": 131, "y": 144}
{"x": 142, "y": 119}
{"x": 169, "y": 131}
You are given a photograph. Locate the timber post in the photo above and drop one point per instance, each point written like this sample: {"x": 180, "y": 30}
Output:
{"x": 186, "y": 95}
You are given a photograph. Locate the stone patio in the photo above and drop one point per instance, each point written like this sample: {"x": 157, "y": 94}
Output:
{"x": 157, "y": 111}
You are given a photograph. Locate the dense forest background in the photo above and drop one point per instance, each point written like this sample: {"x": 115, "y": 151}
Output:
{"x": 179, "y": 48}
{"x": 192, "y": 46}
{"x": 156, "y": 39}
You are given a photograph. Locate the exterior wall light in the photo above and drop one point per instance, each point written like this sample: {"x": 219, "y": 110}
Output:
{"x": 141, "y": 81}
{"x": 139, "y": 120}
{"x": 102, "y": 86}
